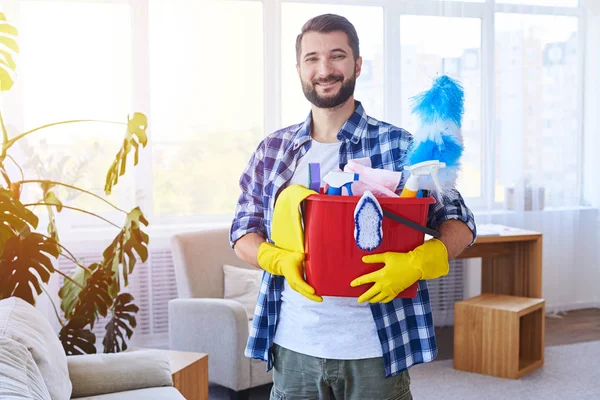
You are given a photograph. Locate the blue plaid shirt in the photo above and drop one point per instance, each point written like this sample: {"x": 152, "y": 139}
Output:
{"x": 404, "y": 326}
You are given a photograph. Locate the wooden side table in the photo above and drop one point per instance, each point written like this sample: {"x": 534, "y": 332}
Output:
{"x": 499, "y": 335}
{"x": 190, "y": 373}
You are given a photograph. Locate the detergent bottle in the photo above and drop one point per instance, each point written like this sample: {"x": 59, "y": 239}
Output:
{"x": 422, "y": 169}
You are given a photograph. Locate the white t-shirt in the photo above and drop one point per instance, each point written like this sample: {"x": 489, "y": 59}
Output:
{"x": 339, "y": 327}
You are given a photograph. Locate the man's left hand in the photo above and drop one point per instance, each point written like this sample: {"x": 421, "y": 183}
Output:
{"x": 428, "y": 261}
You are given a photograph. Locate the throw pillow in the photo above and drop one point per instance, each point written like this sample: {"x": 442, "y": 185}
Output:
{"x": 242, "y": 284}
{"x": 25, "y": 324}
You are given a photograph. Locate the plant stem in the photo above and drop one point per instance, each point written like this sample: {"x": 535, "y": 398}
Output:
{"x": 76, "y": 209}
{"x": 4, "y": 139}
{"x": 74, "y": 188}
{"x": 18, "y": 166}
{"x": 22, "y": 135}
{"x": 72, "y": 258}
{"x": 67, "y": 277}
{"x": 54, "y": 307}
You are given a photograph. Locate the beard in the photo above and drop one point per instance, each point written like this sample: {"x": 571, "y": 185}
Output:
{"x": 346, "y": 90}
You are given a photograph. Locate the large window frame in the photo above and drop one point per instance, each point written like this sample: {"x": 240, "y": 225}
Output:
{"x": 392, "y": 10}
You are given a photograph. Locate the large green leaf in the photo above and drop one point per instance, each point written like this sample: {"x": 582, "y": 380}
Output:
{"x": 69, "y": 292}
{"x": 121, "y": 251}
{"x": 15, "y": 219}
{"x": 94, "y": 299}
{"x": 136, "y": 129}
{"x": 76, "y": 339}
{"x": 122, "y": 323}
{"x": 8, "y": 48}
{"x": 24, "y": 263}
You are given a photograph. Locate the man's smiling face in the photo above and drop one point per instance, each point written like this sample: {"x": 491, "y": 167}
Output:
{"x": 327, "y": 68}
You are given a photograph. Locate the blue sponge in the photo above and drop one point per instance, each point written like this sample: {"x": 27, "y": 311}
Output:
{"x": 368, "y": 222}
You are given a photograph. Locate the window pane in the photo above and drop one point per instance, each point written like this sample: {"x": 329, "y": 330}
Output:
{"x": 536, "y": 105}
{"x": 551, "y": 3}
{"x": 206, "y": 60}
{"x": 76, "y": 64}
{"x": 425, "y": 54}
{"x": 368, "y": 22}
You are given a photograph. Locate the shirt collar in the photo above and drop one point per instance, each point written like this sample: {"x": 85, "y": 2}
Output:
{"x": 353, "y": 129}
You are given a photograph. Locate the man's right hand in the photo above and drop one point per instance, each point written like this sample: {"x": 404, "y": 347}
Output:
{"x": 288, "y": 264}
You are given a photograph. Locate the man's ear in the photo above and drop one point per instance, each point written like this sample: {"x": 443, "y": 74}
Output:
{"x": 358, "y": 66}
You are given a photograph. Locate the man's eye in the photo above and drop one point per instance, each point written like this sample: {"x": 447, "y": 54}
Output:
{"x": 311, "y": 59}
{"x": 339, "y": 56}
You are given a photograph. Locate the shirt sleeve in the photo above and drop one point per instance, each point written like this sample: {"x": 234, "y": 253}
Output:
{"x": 448, "y": 207}
{"x": 249, "y": 212}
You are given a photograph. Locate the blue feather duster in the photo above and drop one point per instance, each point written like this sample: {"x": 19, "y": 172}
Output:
{"x": 444, "y": 101}
{"x": 440, "y": 111}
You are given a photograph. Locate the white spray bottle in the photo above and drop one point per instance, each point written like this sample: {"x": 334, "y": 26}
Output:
{"x": 425, "y": 168}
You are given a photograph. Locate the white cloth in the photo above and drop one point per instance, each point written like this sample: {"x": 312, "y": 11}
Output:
{"x": 339, "y": 327}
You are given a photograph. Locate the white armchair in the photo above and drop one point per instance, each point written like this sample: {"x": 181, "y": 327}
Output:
{"x": 201, "y": 320}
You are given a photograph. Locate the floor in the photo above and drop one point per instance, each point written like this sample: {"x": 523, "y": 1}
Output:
{"x": 565, "y": 328}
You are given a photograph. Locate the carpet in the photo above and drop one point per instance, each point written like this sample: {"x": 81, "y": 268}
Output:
{"x": 569, "y": 372}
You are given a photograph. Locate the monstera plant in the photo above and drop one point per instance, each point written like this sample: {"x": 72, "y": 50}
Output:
{"x": 27, "y": 256}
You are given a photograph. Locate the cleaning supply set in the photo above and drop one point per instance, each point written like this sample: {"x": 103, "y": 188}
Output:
{"x": 361, "y": 238}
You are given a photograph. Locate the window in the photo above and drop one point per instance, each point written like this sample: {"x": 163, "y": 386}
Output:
{"x": 537, "y": 100}
{"x": 206, "y": 94}
{"x": 209, "y": 103}
{"x": 67, "y": 76}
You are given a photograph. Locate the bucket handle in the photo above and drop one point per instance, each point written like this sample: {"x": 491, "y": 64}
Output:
{"x": 411, "y": 224}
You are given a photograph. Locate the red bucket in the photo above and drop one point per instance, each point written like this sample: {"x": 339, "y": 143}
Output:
{"x": 333, "y": 259}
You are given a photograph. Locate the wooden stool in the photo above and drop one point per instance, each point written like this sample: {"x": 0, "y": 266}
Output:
{"x": 499, "y": 335}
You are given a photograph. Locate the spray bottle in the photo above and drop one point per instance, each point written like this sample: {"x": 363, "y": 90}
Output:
{"x": 336, "y": 180}
{"x": 425, "y": 168}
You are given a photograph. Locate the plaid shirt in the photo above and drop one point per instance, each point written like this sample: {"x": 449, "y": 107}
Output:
{"x": 405, "y": 326}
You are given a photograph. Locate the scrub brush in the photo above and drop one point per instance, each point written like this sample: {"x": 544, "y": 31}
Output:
{"x": 368, "y": 222}
{"x": 439, "y": 137}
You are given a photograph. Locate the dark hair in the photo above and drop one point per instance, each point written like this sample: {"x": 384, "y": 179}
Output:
{"x": 329, "y": 23}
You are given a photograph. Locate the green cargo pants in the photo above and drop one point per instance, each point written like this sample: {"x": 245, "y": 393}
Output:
{"x": 300, "y": 377}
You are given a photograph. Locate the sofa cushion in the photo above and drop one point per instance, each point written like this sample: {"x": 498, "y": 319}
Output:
{"x": 25, "y": 324}
{"x": 94, "y": 374}
{"x": 159, "y": 393}
{"x": 20, "y": 377}
{"x": 242, "y": 284}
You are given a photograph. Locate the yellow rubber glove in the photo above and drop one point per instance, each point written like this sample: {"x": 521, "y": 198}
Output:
{"x": 286, "y": 257}
{"x": 289, "y": 264}
{"x": 428, "y": 261}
